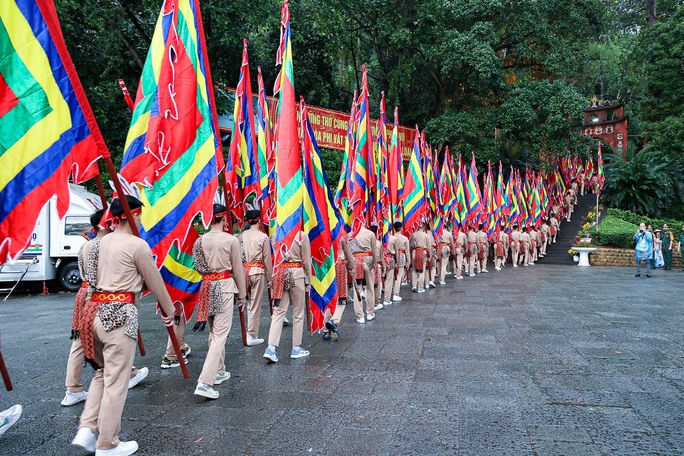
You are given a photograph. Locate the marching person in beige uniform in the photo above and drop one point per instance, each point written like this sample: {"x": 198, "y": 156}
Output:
{"x": 500, "y": 248}
{"x": 569, "y": 204}
{"x": 74, "y": 371}
{"x": 217, "y": 257}
{"x": 525, "y": 246}
{"x": 515, "y": 245}
{"x": 403, "y": 249}
{"x": 472, "y": 250}
{"x": 364, "y": 248}
{"x": 344, "y": 268}
{"x": 118, "y": 267}
{"x": 544, "y": 230}
{"x": 461, "y": 245}
{"x": 258, "y": 266}
{"x": 420, "y": 253}
{"x": 290, "y": 286}
{"x": 445, "y": 247}
{"x": 482, "y": 248}
{"x": 554, "y": 227}
{"x": 534, "y": 244}
{"x": 390, "y": 266}
{"x": 432, "y": 261}
{"x": 379, "y": 268}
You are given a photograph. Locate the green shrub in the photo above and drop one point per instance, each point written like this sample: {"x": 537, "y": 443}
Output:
{"x": 615, "y": 232}
{"x": 636, "y": 219}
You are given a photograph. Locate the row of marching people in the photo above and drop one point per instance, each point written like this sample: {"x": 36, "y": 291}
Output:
{"x": 238, "y": 270}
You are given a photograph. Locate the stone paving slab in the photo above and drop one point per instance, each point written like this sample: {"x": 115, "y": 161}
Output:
{"x": 545, "y": 360}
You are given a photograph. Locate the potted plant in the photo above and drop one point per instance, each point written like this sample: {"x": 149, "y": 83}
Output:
{"x": 584, "y": 234}
{"x": 575, "y": 254}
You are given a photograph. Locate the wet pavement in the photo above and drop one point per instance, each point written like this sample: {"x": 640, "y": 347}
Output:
{"x": 544, "y": 360}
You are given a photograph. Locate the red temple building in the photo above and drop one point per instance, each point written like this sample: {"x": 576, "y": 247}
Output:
{"x": 606, "y": 120}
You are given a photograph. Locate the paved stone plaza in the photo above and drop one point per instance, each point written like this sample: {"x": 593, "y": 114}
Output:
{"x": 544, "y": 360}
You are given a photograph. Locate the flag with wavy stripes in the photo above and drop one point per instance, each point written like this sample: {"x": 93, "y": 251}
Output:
{"x": 265, "y": 157}
{"x": 363, "y": 198}
{"x": 382, "y": 157}
{"x": 288, "y": 157}
{"x": 180, "y": 277}
{"x": 415, "y": 205}
{"x": 345, "y": 185}
{"x": 173, "y": 146}
{"x": 321, "y": 224}
{"x": 461, "y": 211}
{"x": 243, "y": 145}
{"x": 395, "y": 169}
{"x": 473, "y": 194}
{"x": 47, "y": 128}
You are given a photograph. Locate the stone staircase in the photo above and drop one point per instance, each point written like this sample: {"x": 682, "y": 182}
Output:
{"x": 558, "y": 253}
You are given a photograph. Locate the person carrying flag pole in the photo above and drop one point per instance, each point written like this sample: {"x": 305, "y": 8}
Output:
{"x": 403, "y": 251}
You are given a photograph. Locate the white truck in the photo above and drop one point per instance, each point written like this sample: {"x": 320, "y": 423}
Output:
{"x": 53, "y": 251}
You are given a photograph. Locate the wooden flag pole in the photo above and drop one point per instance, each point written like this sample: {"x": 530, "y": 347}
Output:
{"x": 241, "y": 311}
{"x": 5, "y": 374}
{"x": 134, "y": 229}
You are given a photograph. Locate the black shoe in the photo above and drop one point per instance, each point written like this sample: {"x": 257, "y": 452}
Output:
{"x": 637, "y": 275}
{"x": 648, "y": 275}
{"x": 333, "y": 328}
{"x": 326, "y": 335}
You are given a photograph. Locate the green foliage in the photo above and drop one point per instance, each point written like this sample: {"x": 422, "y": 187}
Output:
{"x": 649, "y": 183}
{"x": 615, "y": 232}
{"x": 635, "y": 219}
{"x": 332, "y": 164}
{"x": 663, "y": 107}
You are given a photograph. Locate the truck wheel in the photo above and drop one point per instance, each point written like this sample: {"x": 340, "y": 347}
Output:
{"x": 70, "y": 277}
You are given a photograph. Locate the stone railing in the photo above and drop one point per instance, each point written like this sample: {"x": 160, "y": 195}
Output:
{"x": 608, "y": 256}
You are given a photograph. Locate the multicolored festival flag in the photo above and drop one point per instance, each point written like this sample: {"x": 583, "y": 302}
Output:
{"x": 473, "y": 194}
{"x": 600, "y": 177}
{"x": 383, "y": 212}
{"x": 395, "y": 177}
{"x": 345, "y": 186}
{"x": 180, "y": 277}
{"x": 414, "y": 190}
{"x": 47, "y": 129}
{"x": 173, "y": 146}
{"x": 288, "y": 157}
{"x": 321, "y": 224}
{"x": 243, "y": 145}
{"x": 265, "y": 157}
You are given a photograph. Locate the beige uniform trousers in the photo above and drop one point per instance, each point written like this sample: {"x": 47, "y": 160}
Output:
{"x": 256, "y": 295}
{"x": 296, "y": 296}
{"x": 515, "y": 253}
{"x": 179, "y": 330}
{"x": 418, "y": 279}
{"x": 107, "y": 393}
{"x": 401, "y": 271}
{"x": 458, "y": 267}
{"x": 74, "y": 370}
{"x": 219, "y": 328}
{"x": 369, "y": 275}
{"x": 389, "y": 284}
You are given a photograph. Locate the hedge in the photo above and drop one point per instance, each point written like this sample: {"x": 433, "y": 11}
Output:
{"x": 615, "y": 232}
{"x": 636, "y": 219}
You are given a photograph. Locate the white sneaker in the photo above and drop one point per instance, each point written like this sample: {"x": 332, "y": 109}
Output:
{"x": 74, "y": 398}
{"x": 531, "y": 263}
{"x": 442, "y": 282}
{"x": 361, "y": 320}
{"x": 497, "y": 268}
{"x": 139, "y": 377}
{"x": 11, "y": 415}
{"x": 206, "y": 391}
{"x": 515, "y": 265}
{"x": 387, "y": 303}
{"x": 123, "y": 449}
{"x": 370, "y": 317}
{"x": 484, "y": 270}
{"x": 459, "y": 277}
{"x": 86, "y": 439}
{"x": 421, "y": 290}
{"x": 299, "y": 352}
{"x": 222, "y": 377}
{"x": 414, "y": 289}
{"x": 270, "y": 354}
{"x": 432, "y": 284}
{"x": 252, "y": 341}
{"x": 380, "y": 306}
{"x": 471, "y": 275}
{"x": 396, "y": 298}
{"x": 286, "y": 322}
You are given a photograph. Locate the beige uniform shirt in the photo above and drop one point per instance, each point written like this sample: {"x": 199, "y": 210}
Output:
{"x": 472, "y": 236}
{"x": 401, "y": 242}
{"x": 461, "y": 240}
{"x": 222, "y": 252}
{"x": 301, "y": 253}
{"x": 126, "y": 264}
{"x": 481, "y": 237}
{"x": 524, "y": 237}
{"x": 257, "y": 248}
